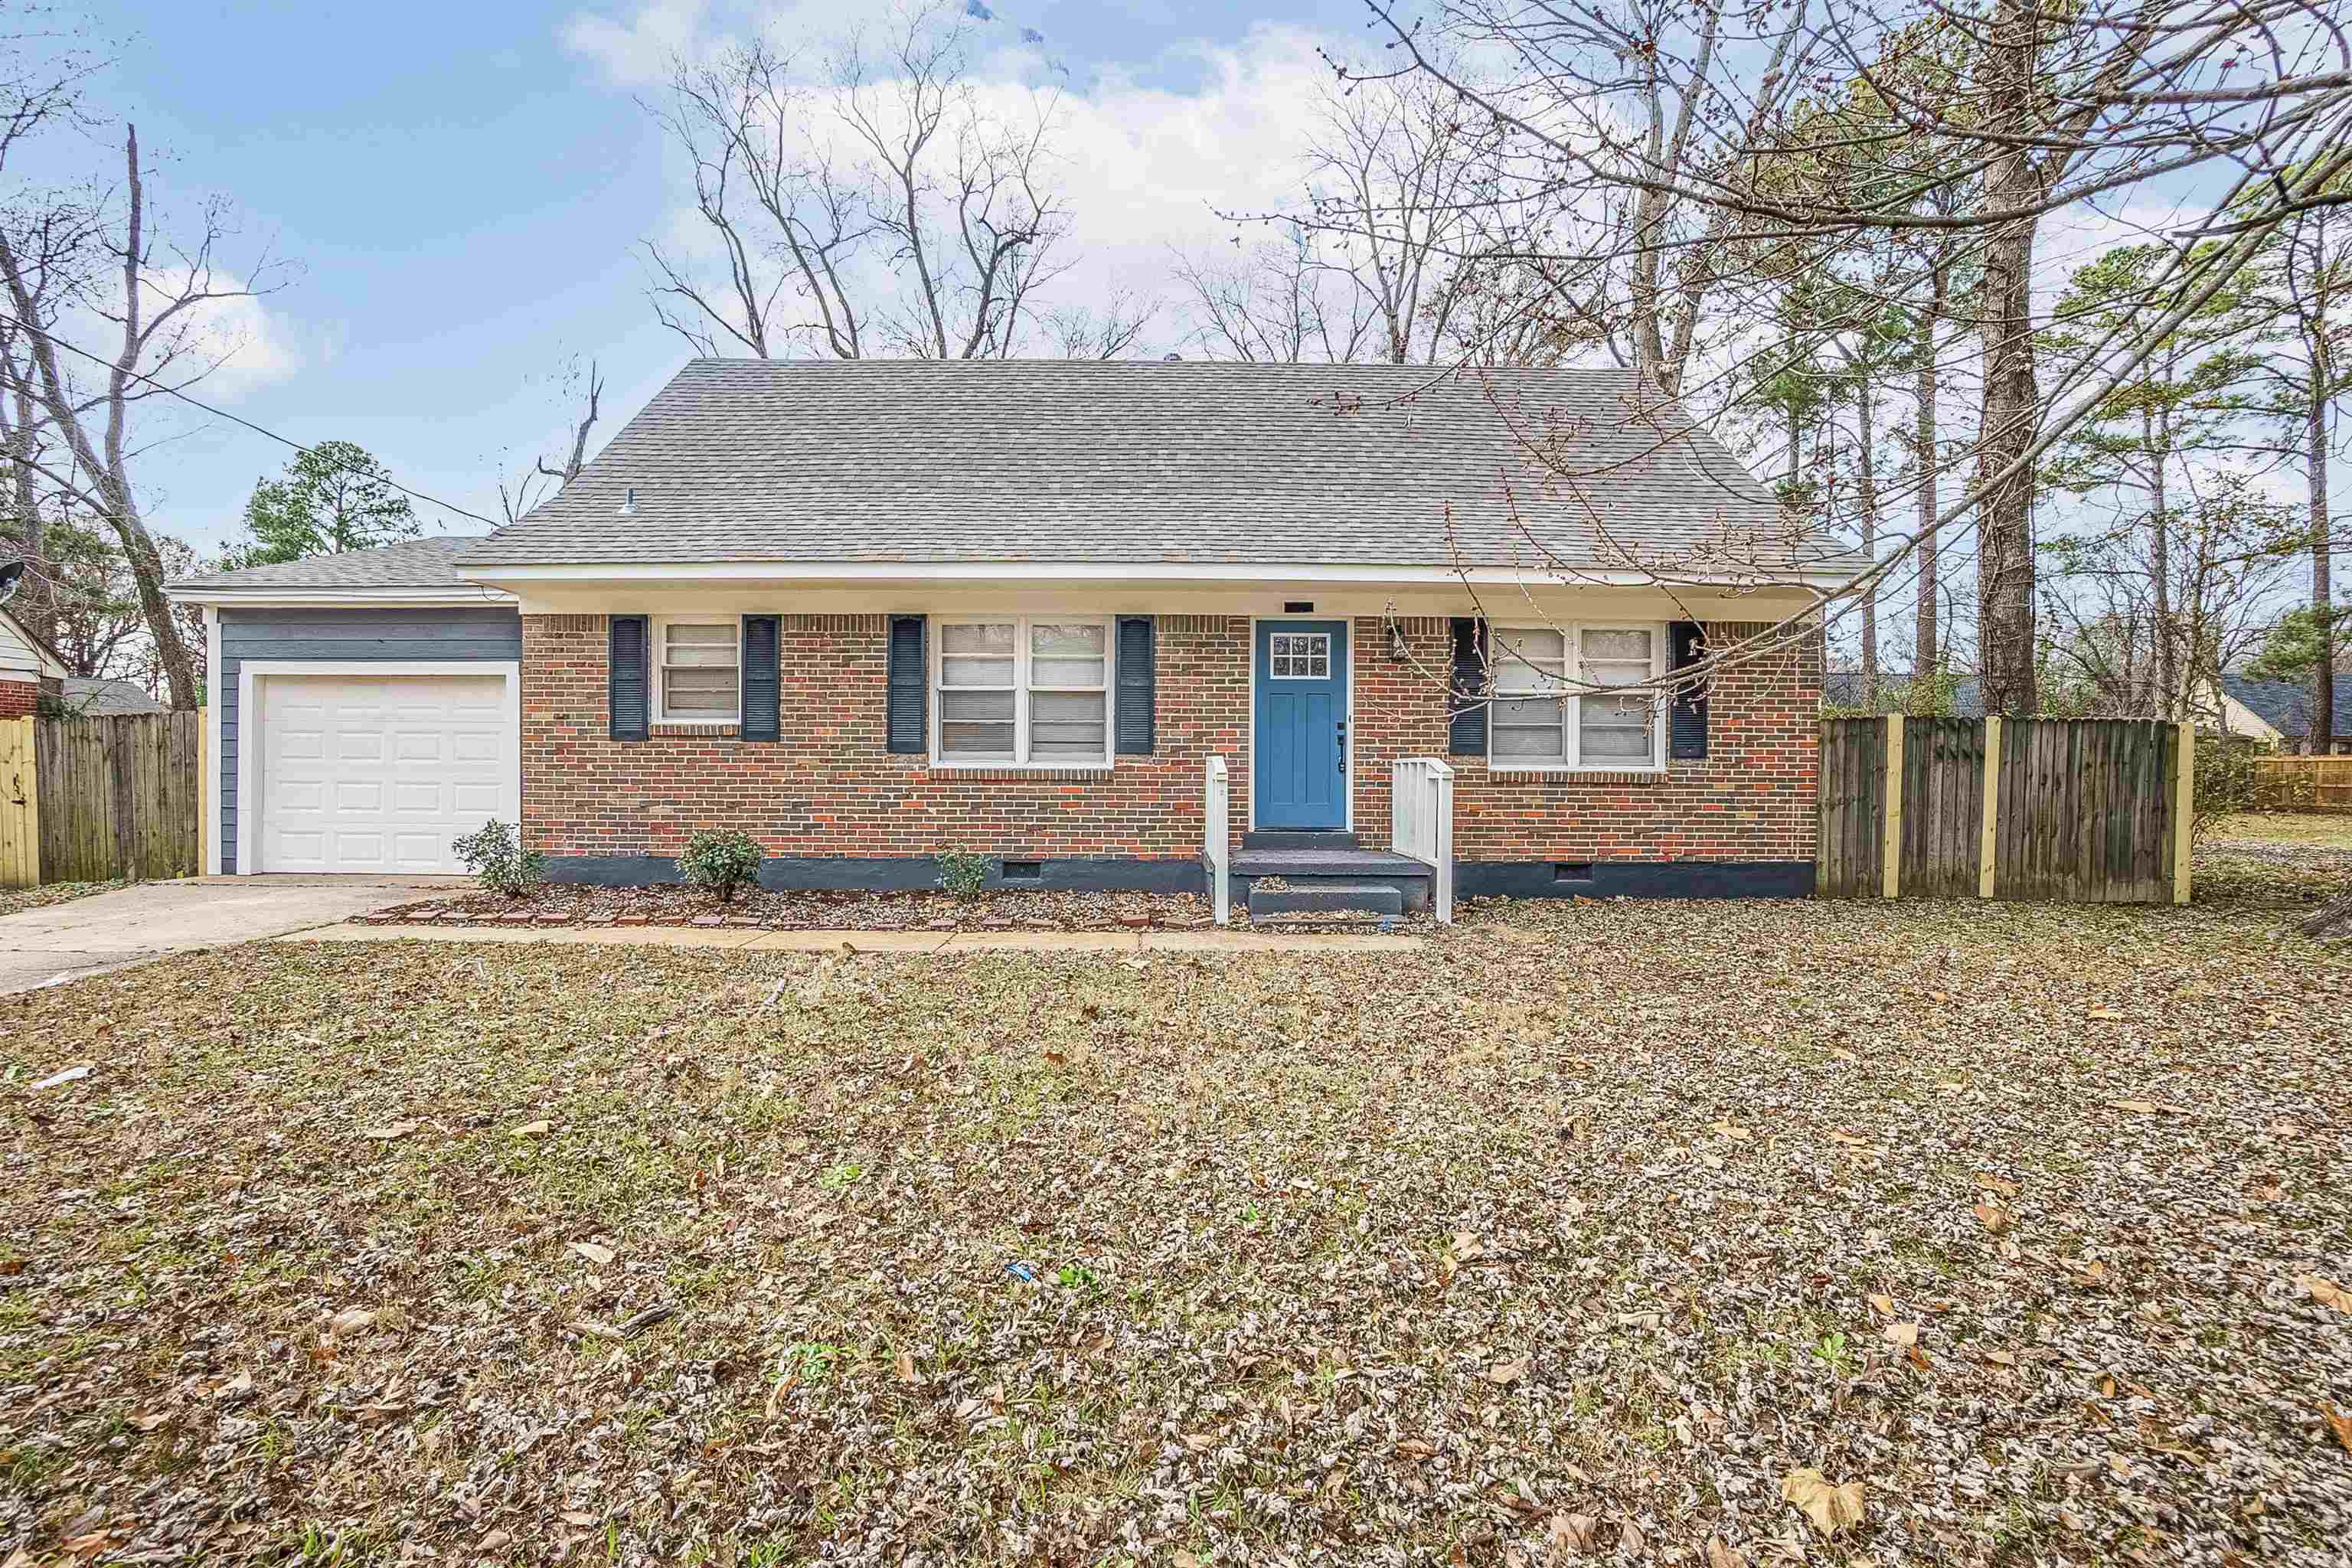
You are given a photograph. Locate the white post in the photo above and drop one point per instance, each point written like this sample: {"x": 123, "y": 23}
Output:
{"x": 1421, "y": 824}
{"x": 1214, "y": 838}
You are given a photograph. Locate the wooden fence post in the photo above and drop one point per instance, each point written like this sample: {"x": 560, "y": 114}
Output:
{"x": 1891, "y": 794}
{"x": 1988, "y": 845}
{"x": 20, "y": 806}
{"x": 2184, "y": 807}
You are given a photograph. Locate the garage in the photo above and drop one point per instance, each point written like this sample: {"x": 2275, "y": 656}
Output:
{"x": 375, "y": 771}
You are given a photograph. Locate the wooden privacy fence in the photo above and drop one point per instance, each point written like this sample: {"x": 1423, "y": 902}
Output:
{"x": 2310, "y": 784}
{"x": 85, "y": 800}
{"x": 2086, "y": 811}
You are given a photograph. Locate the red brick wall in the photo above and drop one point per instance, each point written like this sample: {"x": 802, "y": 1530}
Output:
{"x": 829, "y": 788}
{"x": 1751, "y": 799}
{"x": 17, "y": 697}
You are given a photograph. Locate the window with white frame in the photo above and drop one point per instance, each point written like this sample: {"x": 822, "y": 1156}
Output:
{"x": 698, "y": 671}
{"x": 1024, "y": 690}
{"x": 1546, "y": 713}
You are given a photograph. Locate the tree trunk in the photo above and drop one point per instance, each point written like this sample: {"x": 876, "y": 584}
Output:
{"x": 1867, "y": 499}
{"x": 2323, "y": 716}
{"x": 1924, "y": 654}
{"x": 2157, "y": 435}
{"x": 2010, "y": 398}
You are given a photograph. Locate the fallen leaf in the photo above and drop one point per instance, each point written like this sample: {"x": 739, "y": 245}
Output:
{"x": 1884, "y": 1305}
{"x": 350, "y": 1321}
{"x": 2338, "y": 1423}
{"x": 533, "y": 1130}
{"x": 1506, "y": 1372}
{"x": 2147, "y": 1107}
{"x": 386, "y": 1134}
{"x": 1994, "y": 1218}
{"x": 1903, "y": 1335}
{"x": 599, "y": 1255}
{"x": 1414, "y": 1448}
{"x": 2325, "y": 1291}
{"x": 1573, "y": 1531}
{"x": 784, "y": 1386}
{"x": 1719, "y": 1556}
{"x": 906, "y": 1368}
{"x": 1632, "y": 1540}
{"x": 1185, "y": 1560}
{"x": 1830, "y": 1508}
{"x": 2001, "y": 1358}
{"x": 575, "y": 1517}
{"x": 2001, "y": 1185}
{"x": 2106, "y": 1386}
{"x": 1733, "y": 1130}
{"x": 495, "y": 1541}
{"x": 147, "y": 1423}
{"x": 2105, "y": 1015}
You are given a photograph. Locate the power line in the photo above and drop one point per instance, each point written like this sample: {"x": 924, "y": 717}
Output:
{"x": 232, "y": 419}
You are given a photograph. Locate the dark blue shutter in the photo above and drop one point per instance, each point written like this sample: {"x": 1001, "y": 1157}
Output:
{"x": 626, "y": 678}
{"x": 1686, "y": 721}
{"x": 1465, "y": 729}
{"x": 910, "y": 682}
{"x": 762, "y": 693}
{"x": 1139, "y": 685}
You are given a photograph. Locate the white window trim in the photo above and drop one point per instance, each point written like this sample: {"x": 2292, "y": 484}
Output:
{"x": 658, "y": 640}
{"x": 935, "y": 637}
{"x": 1575, "y": 690}
{"x": 1272, "y": 674}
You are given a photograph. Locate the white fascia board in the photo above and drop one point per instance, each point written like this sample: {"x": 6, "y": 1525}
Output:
{"x": 1141, "y": 570}
{"x": 339, "y": 598}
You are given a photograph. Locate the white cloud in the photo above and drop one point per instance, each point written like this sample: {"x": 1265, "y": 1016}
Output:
{"x": 1142, "y": 168}
{"x": 635, "y": 53}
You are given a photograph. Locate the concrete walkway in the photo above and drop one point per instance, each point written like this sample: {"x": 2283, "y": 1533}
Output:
{"x": 882, "y": 941}
{"x": 150, "y": 920}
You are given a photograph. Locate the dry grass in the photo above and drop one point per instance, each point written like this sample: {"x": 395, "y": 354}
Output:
{"x": 2321, "y": 829}
{"x": 1574, "y": 1233}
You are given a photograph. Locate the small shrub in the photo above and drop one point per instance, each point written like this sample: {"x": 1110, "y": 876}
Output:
{"x": 2230, "y": 780}
{"x": 722, "y": 860}
{"x": 499, "y": 862}
{"x": 964, "y": 874}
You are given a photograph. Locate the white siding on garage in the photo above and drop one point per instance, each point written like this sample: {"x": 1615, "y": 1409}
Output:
{"x": 378, "y": 773}
{"x": 19, "y": 659}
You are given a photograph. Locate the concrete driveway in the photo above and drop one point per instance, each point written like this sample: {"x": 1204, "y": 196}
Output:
{"x": 134, "y": 924}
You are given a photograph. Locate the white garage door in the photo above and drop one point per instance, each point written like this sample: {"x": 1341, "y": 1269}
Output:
{"x": 379, "y": 773}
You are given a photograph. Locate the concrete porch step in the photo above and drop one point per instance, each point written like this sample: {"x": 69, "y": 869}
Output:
{"x": 1324, "y": 899}
{"x": 1326, "y": 862}
{"x": 1294, "y": 839}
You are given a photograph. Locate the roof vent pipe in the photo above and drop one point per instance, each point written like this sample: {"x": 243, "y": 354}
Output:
{"x": 629, "y": 501}
{"x": 1172, "y": 359}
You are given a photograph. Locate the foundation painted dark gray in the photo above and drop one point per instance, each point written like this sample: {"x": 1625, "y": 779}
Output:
{"x": 371, "y": 637}
{"x": 1077, "y": 874}
{"x": 1636, "y": 879}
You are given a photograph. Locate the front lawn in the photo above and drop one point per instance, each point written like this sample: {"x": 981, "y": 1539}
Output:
{"x": 1586, "y": 1230}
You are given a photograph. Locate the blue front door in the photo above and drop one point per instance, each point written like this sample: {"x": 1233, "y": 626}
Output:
{"x": 1301, "y": 775}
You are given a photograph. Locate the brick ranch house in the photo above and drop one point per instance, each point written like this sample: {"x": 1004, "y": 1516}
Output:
{"x": 29, "y": 669}
{"x": 869, "y": 611}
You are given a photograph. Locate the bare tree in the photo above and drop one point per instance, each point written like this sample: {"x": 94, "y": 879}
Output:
{"x": 878, "y": 205}
{"x": 1080, "y": 332}
{"x": 1276, "y": 301}
{"x": 155, "y": 296}
{"x": 543, "y": 479}
{"x": 2033, "y": 112}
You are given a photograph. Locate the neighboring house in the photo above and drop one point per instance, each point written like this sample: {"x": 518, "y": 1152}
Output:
{"x": 28, "y": 667}
{"x": 866, "y": 611}
{"x": 2280, "y": 712}
{"x": 101, "y": 697}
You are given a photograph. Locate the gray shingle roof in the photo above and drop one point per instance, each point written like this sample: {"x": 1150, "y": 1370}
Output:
{"x": 99, "y": 696}
{"x": 2289, "y": 707}
{"x": 921, "y": 460}
{"x": 427, "y": 562}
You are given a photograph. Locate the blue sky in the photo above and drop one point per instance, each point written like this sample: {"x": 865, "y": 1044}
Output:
{"x": 465, "y": 213}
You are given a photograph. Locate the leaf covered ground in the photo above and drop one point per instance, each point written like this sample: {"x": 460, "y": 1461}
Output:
{"x": 13, "y": 899}
{"x": 1702, "y": 1232}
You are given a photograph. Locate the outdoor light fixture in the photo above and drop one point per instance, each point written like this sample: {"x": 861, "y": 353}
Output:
{"x": 11, "y": 577}
{"x": 1397, "y": 652}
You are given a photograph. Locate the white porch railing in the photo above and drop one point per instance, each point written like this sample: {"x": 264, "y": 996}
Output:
{"x": 1421, "y": 824}
{"x": 1215, "y": 856}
